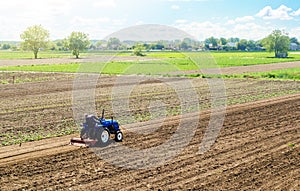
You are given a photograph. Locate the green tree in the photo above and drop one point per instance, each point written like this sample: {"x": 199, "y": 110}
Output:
{"x": 223, "y": 41}
{"x": 77, "y": 42}
{"x": 184, "y": 45}
{"x": 251, "y": 45}
{"x": 211, "y": 42}
{"x": 6, "y": 46}
{"x": 259, "y": 45}
{"x": 99, "y": 44}
{"x": 52, "y": 46}
{"x": 156, "y": 46}
{"x": 188, "y": 41}
{"x": 234, "y": 40}
{"x": 294, "y": 40}
{"x": 113, "y": 43}
{"x": 59, "y": 45}
{"x": 242, "y": 44}
{"x": 138, "y": 50}
{"x": 35, "y": 38}
{"x": 279, "y": 42}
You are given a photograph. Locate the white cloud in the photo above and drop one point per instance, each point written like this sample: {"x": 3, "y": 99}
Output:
{"x": 52, "y": 7}
{"x": 281, "y": 13}
{"x": 185, "y": 0}
{"x": 181, "y": 21}
{"x": 94, "y": 26}
{"x": 295, "y": 33}
{"x": 251, "y": 31}
{"x": 203, "y": 30}
{"x": 140, "y": 23}
{"x": 18, "y": 15}
{"x": 296, "y": 13}
{"x": 105, "y": 4}
{"x": 241, "y": 20}
{"x": 57, "y": 16}
{"x": 244, "y": 19}
{"x": 119, "y": 22}
{"x": 89, "y": 22}
{"x": 230, "y": 22}
{"x": 175, "y": 7}
{"x": 61, "y": 17}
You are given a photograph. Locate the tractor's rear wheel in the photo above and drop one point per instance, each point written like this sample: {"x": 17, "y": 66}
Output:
{"x": 119, "y": 136}
{"x": 103, "y": 137}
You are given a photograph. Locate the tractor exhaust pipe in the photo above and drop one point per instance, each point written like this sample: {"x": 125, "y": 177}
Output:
{"x": 102, "y": 117}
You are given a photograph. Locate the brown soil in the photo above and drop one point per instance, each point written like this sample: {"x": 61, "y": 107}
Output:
{"x": 45, "y": 106}
{"x": 24, "y": 62}
{"x": 260, "y": 68}
{"x": 252, "y": 152}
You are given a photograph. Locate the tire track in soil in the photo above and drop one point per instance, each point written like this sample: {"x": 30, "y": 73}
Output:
{"x": 215, "y": 162}
{"x": 232, "y": 163}
{"x": 250, "y": 153}
{"x": 65, "y": 110}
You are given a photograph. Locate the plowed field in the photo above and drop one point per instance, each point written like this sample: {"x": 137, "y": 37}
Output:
{"x": 43, "y": 107}
{"x": 257, "y": 148}
{"x": 252, "y": 152}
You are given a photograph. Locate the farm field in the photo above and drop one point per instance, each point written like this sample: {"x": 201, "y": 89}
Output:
{"x": 29, "y": 55}
{"x": 44, "y": 102}
{"x": 19, "y": 55}
{"x": 168, "y": 95}
{"x": 114, "y": 60}
{"x": 257, "y": 148}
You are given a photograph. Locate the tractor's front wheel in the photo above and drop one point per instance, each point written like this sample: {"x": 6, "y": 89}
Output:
{"x": 103, "y": 137}
{"x": 119, "y": 136}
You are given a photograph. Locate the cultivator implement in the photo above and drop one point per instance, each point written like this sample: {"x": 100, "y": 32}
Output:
{"x": 83, "y": 142}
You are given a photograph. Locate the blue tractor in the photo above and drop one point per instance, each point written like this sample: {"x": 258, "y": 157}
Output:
{"x": 97, "y": 131}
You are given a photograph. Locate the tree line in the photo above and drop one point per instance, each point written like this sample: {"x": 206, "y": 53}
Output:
{"x": 36, "y": 38}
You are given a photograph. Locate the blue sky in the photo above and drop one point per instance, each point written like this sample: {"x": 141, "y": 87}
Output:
{"x": 250, "y": 19}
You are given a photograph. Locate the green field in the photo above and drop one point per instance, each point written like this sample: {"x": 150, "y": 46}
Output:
{"x": 291, "y": 74}
{"x": 250, "y": 58}
{"x": 168, "y": 62}
{"x": 285, "y": 74}
{"x": 113, "y": 68}
{"x": 227, "y": 59}
{"x": 28, "y": 54}
{"x": 7, "y": 54}
{"x": 223, "y": 59}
